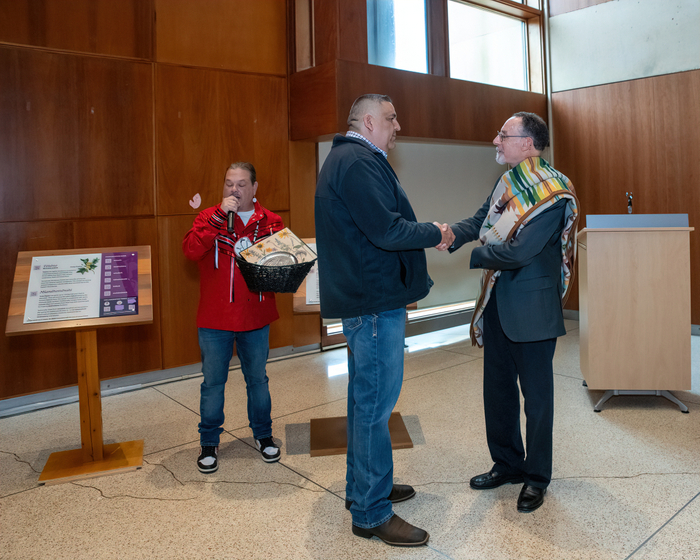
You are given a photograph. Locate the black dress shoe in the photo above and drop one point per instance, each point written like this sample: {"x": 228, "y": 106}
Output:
{"x": 399, "y": 493}
{"x": 395, "y": 532}
{"x": 530, "y": 498}
{"x": 494, "y": 479}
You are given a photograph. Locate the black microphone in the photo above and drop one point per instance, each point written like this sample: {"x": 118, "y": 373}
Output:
{"x": 231, "y": 214}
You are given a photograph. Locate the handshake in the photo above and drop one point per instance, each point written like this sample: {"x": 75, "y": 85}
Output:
{"x": 448, "y": 237}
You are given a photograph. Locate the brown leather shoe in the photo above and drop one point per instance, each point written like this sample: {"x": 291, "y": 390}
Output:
{"x": 395, "y": 532}
{"x": 399, "y": 493}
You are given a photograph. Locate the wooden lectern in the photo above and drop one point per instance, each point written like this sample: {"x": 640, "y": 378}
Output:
{"x": 93, "y": 458}
{"x": 634, "y": 307}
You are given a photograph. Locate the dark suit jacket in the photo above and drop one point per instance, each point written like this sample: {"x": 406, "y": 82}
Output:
{"x": 529, "y": 288}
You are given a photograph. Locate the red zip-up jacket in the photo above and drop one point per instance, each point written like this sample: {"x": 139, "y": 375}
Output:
{"x": 225, "y": 302}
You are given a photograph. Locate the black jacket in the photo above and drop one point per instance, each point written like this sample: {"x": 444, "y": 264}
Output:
{"x": 529, "y": 289}
{"x": 370, "y": 246}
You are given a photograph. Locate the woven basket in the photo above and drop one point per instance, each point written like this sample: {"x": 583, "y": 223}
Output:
{"x": 281, "y": 279}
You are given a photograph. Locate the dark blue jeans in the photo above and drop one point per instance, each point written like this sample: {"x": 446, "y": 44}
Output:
{"x": 375, "y": 367}
{"x": 217, "y": 350}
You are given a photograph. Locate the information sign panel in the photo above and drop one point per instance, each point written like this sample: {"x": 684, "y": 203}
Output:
{"x": 82, "y": 286}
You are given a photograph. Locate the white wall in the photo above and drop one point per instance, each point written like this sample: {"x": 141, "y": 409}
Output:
{"x": 445, "y": 183}
{"x": 624, "y": 40}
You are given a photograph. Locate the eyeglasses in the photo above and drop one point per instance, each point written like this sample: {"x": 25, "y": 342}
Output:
{"x": 503, "y": 135}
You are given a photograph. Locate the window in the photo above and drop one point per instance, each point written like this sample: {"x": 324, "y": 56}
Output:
{"x": 396, "y": 34}
{"x": 487, "y": 46}
{"x": 488, "y": 41}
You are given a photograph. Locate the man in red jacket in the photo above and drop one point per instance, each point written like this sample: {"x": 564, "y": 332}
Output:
{"x": 229, "y": 311}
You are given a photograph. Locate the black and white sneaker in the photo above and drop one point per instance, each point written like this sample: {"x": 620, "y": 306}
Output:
{"x": 207, "y": 461}
{"x": 268, "y": 448}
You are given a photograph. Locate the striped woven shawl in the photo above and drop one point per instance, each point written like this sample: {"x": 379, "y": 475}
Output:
{"x": 522, "y": 193}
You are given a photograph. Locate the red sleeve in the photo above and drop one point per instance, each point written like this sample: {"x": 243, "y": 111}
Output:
{"x": 273, "y": 224}
{"x": 200, "y": 239}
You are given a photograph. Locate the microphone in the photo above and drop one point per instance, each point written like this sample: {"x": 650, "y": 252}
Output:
{"x": 230, "y": 221}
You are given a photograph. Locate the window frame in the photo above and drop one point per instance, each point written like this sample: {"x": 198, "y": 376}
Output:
{"x": 529, "y": 12}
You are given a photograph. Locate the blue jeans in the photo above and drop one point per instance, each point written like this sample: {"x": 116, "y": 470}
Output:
{"x": 375, "y": 367}
{"x": 217, "y": 350}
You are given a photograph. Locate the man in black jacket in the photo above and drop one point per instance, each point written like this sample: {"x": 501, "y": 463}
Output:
{"x": 371, "y": 265}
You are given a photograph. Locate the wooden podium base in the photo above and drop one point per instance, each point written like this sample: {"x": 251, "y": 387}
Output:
{"x": 329, "y": 435}
{"x": 67, "y": 466}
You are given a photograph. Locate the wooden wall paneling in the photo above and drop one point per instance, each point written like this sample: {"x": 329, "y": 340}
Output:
{"x": 129, "y": 349}
{"x": 605, "y": 145}
{"x": 411, "y": 93}
{"x": 307, "y": 329}
{"x": 116, "y": 140}
{"x": 106, "y": 27}
{"x": 326, "y": 31}
{"x": 626, "y": 136}
{"x": 302, "y": 187}
{"x": 623, "y": 137}
{"x": 677, "y": 142}
{"x": 438, "y": 39}
{"x": 676, "y": 188}
{"x": 76, "y": 136}
{"x": 39, "y": 176}
{"x": 436, "y": 107}
{"x": 206, "y": 120}
{"x": 282, "y": 330}
{"x": 33, "y": 363}
{"x": 190, "y": 154}
{"x": 428, "y": 107}
{"x": 312, "y": 102}
{"x": 236, "y": 35}
{"x": 558, "y": 7}
{"x": 594, "y": 135}
{"x": 179, "y": 293}
{"x": 352, "y": 40}
{"x": 265, "y": 119}
{"x": 570, "y": 152}
{"x": 340, "y": 30}
{"x": 294, "y": 329}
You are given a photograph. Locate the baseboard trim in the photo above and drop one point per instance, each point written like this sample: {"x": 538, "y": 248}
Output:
{"x": 66, "y": 395}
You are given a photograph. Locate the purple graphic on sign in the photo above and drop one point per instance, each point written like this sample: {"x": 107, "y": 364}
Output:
{"x": 119, "y": 287}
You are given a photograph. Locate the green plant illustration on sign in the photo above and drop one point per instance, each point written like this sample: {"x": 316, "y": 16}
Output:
{"x": 88, "y": 265}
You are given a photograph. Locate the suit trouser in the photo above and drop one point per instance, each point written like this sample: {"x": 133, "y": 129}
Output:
{"x": 506, "y": 362}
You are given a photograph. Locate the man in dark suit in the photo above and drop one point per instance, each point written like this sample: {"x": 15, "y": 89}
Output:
{"x": 527, "y": 233}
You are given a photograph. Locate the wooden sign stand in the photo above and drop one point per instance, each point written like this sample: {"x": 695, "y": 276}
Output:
{"x": 93, "y": 458}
